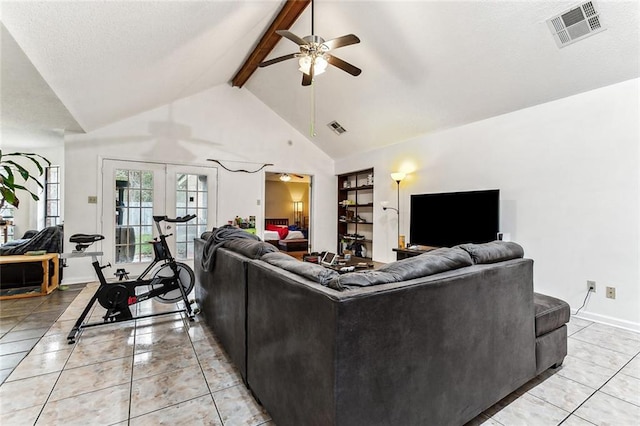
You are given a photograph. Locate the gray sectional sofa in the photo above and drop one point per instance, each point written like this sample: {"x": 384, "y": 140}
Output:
{"x": 434, "y": 339}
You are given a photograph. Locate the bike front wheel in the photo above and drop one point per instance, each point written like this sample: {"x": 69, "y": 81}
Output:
{"x": 185, "y": 276}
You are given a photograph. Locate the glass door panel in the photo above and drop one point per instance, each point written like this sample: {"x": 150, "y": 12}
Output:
{"x": 192, "y": 188}
{"x": 133, "y": 192}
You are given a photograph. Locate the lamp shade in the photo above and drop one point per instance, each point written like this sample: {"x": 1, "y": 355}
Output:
{"x": 319, "y": 64}
{"x": 398, "y": 176}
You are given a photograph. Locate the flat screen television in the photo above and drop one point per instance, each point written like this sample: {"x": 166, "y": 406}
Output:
{"x": 451, "y": 218}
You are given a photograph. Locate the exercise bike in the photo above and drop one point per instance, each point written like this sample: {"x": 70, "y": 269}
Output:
{"x": 169, "y": 283}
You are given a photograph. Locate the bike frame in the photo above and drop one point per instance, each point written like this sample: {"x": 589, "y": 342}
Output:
{"x": 163, "y": 256}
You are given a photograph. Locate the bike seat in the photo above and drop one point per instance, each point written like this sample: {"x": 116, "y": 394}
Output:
{"x": 182, "y": 219}
{"x": 85, "y": 238}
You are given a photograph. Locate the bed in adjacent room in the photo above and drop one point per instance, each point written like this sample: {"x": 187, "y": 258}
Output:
{"x": 277, "y": 232}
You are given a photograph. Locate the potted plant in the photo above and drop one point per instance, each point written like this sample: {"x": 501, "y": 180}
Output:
{"x": 14, "y": 176}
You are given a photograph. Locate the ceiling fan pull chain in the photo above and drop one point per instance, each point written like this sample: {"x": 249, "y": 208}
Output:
{"x": 312, "y": 30}
{"x": 312, "y": 126}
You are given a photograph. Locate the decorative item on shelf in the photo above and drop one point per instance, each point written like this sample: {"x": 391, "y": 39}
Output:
{"x": 398, "y": 177}
{"x": 401, "y": 241}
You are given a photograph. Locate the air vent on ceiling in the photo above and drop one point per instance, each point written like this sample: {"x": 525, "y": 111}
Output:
{"x": 575, "y": 24}
{"x": 336, "y": 127}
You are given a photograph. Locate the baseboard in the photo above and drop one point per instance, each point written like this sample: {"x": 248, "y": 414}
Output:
{"x": 77, "y": 280}
{"x": 614, "y": 322}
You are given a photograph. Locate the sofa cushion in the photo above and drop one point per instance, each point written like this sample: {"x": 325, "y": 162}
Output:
{"x": 361, "y": 279}
{"x": 493, "y": 252}
{"x": 311, "y": 271}
{"x": 551, "y": 313}
{"x": 433, "y": 262}
{"x": 250, "y": 248}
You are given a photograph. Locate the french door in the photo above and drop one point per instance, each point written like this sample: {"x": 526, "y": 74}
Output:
{"x": 133, "y": 192}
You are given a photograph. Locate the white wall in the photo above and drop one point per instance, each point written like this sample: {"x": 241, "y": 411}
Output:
{"x": 230, "y": 124}
{"x": 49, "y": 144}
{"x": 568, "y": 174}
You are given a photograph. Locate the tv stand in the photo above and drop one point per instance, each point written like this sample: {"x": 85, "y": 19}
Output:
{"x": 410, "y": 251}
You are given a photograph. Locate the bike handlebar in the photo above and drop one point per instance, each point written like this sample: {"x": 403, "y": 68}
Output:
{"x": 182, "y": 219}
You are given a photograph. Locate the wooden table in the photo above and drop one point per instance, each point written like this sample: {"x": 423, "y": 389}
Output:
{"x": 355, "y": 261}
{"x": 403, "y": 253}
{"x": 48, "y": 283}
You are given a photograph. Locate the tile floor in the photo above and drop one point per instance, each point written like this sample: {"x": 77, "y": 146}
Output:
{"x": 165, "y": 370}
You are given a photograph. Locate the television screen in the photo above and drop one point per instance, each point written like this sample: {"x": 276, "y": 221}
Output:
{"x": 448, "y": 219}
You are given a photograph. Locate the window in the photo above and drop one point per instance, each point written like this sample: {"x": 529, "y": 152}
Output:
{"x": 191, "y": 198}
{"x": 52, "y": 196}
{"x": 134, "y": 215}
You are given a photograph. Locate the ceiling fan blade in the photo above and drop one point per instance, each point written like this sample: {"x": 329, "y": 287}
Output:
{"x": 291, "y": 36}
{"x": 344, "y": 66}
{"x": 276, "y": 60}
{"x": 342, "y": 41}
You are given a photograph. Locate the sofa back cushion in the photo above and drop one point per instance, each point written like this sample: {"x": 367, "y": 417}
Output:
{"x": 430, "y": 263}
{"x": 250, "y": 248}
{"x": 493, "y": 252}
{"x": 311, "y": 271}
{"x": 360, "y": 279}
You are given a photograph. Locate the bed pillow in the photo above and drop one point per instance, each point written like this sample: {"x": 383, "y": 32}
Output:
{"x": 295, "y": 235}
{"x": 281, "y": 230}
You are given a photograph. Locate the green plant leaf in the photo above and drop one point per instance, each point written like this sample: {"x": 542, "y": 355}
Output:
{"x": 8, "y": 178}
{"x": 8, "y": 185}
{"x": 23, "y": 172}
{"x": 32, "y": 156}
{"x": 9, "y": 196}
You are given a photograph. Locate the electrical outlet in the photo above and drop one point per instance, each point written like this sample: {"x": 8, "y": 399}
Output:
{"x": 591, "y": 286}
{"x": 92, "y": 199}
{"x": 611, "y": 292}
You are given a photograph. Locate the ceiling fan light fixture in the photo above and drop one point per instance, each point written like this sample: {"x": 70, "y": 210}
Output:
{"x": 319, "y": 64}
{"x": 285, "y": 177}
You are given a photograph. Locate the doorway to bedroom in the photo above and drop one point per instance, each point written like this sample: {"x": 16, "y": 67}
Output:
{"x": 287, "y": 212}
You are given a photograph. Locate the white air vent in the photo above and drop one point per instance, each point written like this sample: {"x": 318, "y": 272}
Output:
{"x": 575, "y": 24}
{"x": 336, "y": 127}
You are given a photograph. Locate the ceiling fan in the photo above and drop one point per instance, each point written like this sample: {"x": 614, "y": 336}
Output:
{"x": 286, "y": 177}
{"x": 314, "y": 55}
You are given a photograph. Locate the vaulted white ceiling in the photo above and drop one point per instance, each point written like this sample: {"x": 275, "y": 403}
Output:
{"x": 427, "y": 65}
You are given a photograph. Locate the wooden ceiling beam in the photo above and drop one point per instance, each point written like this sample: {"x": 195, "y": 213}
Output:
{"x": 289, "y": 14}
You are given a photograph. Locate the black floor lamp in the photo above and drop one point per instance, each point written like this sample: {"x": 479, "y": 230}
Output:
{"x": 398, "y": 177}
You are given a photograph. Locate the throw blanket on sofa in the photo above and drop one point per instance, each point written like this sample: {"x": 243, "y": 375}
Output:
{"x": 49, "y": 239}
{"x": 217, "y": 238}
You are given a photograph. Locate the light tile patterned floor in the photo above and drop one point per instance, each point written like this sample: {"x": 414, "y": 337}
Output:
{"x": 165, "y": 370}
